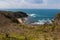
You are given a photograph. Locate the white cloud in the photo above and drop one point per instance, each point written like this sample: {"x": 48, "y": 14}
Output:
{"x": 4, "y": 4}
{"x": 32, "y": 5}
{"x": 53, "y": 4}
{"x": 20, "y": 4}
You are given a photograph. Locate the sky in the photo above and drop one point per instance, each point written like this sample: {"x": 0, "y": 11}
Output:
{"x": 29, "y": 4}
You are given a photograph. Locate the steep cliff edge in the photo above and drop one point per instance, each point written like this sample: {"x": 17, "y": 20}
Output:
{"x": 8, "y": 21}
{"x": 7, "y": 17}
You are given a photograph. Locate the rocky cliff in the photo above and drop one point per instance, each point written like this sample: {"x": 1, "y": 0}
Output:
{"x": 8, "y": 17}
{"x": 8, "y": 21}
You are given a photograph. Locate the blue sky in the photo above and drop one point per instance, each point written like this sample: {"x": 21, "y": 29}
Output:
{"x": 30, "y": 4}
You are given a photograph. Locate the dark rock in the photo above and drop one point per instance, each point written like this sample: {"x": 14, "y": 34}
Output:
{"x": 20, "y": 14}
{"x": 12, "y": 15}
{"x": 6, "y": 21}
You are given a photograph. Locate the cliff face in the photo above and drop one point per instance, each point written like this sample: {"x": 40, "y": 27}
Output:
{"x": 11, "y": 17}
{"x": 8, "y": 21}
{"x": 9, "y": 14}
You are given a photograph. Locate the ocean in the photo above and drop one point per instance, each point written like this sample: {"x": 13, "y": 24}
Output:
{"x": 38, "y": 16}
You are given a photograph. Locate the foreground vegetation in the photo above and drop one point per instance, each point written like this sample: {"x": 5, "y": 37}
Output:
{"x": 42, "y": 32}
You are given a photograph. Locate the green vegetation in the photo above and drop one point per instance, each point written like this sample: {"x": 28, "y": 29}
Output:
{"x": 41, "y": 32}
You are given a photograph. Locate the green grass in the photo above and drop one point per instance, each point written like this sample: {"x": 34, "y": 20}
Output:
{"x": 42, "y": 32}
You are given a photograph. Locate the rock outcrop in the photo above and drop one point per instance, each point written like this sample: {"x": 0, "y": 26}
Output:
{"x": 8, "y": 21}
{"x": 11, "y": 16}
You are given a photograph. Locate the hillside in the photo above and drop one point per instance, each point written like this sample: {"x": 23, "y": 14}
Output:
{"x": 12, "y": 30}
{"x": 7, "y": 17}
{"x": 9, "y": 23}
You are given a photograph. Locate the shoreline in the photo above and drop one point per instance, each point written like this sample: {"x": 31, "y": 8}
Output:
{"x": 42, "y": 22}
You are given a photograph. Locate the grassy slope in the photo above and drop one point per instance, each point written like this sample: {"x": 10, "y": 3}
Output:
{"x": 44, "y": 32}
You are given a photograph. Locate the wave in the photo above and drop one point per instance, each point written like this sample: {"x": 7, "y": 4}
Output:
{"x": 32, "y": 15}
{"x": 38, "y": 19}
{"x": 48, "y": 21}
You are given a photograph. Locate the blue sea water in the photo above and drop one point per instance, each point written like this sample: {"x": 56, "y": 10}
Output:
{"x": 39, "y": 14}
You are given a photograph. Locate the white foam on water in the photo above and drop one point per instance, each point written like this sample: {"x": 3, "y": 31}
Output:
{"x": 32, "y": 15}
{"x": 41, "y": 22}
